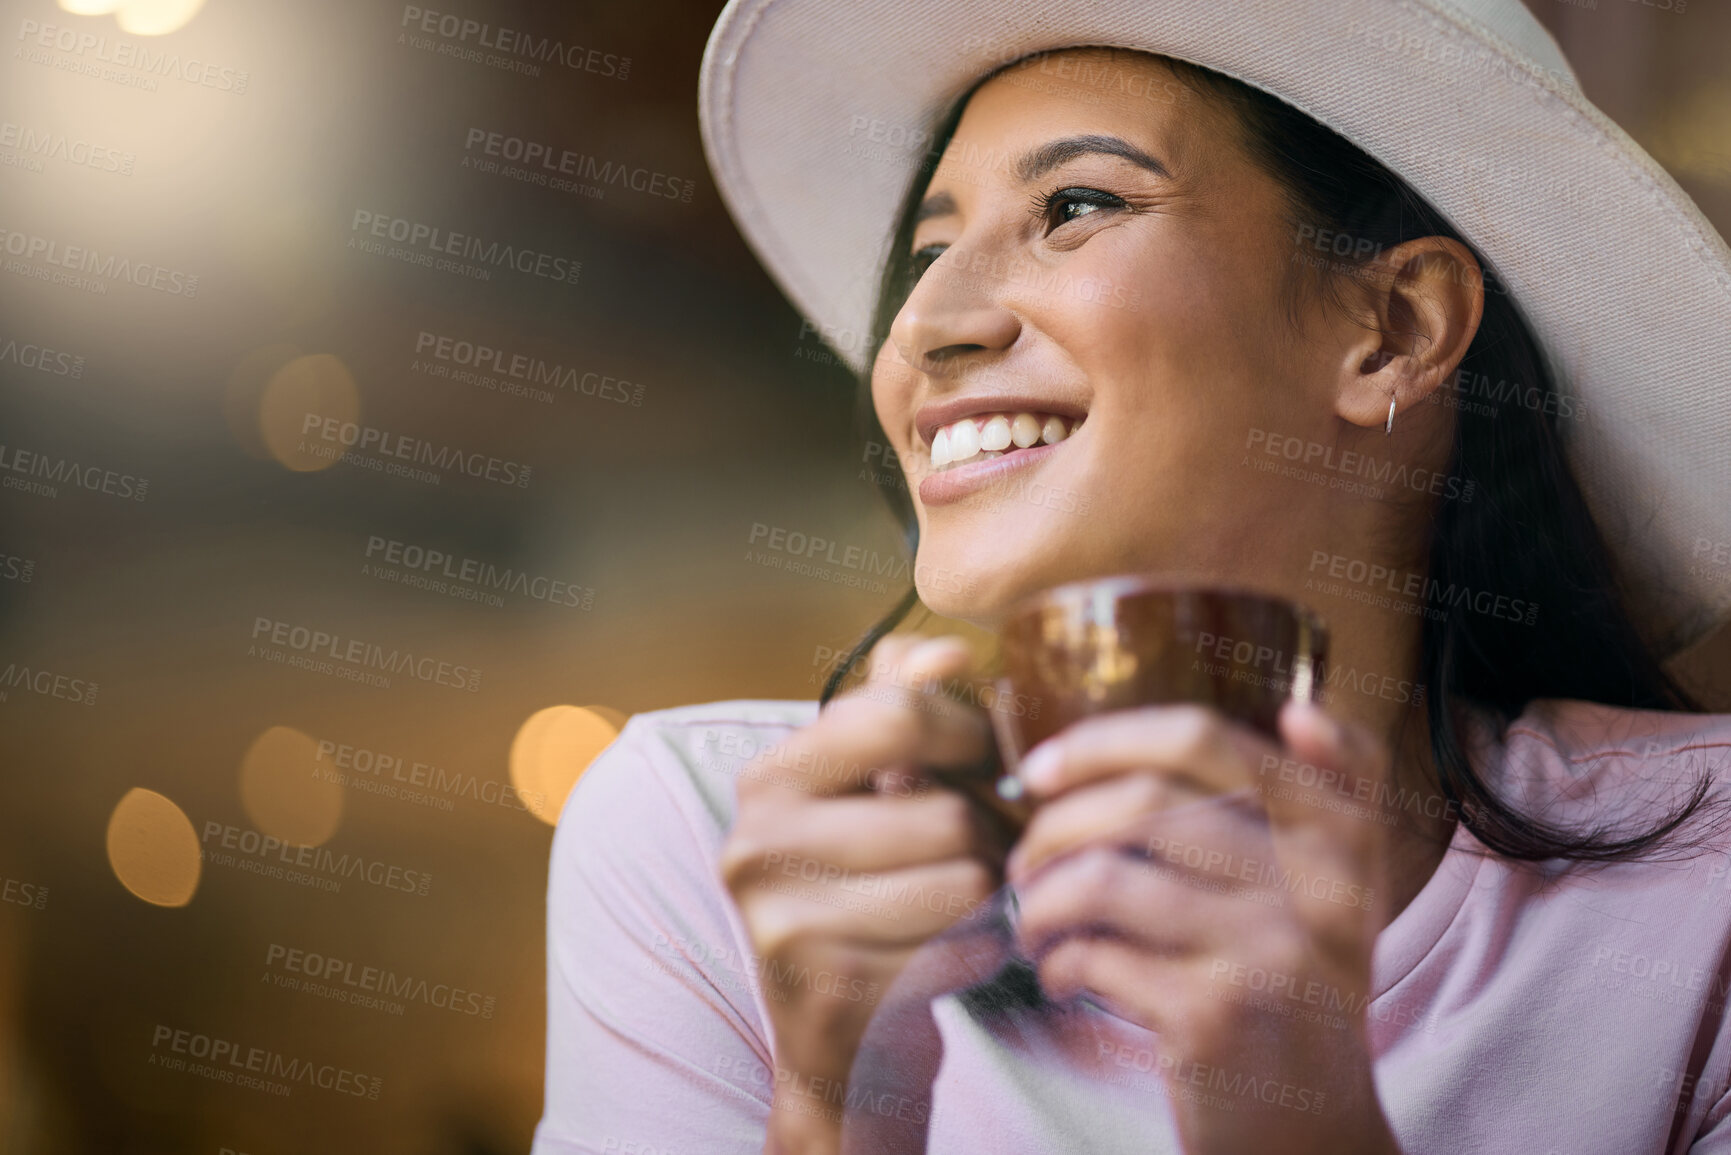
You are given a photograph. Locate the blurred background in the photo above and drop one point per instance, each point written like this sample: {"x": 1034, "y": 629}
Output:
{"x": 383, "y": 420}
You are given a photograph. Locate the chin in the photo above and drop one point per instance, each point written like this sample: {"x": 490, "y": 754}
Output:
{"x": 973, "y": 585}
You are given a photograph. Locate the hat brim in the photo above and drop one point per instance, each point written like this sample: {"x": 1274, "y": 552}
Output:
{"x": 813, "y": 114}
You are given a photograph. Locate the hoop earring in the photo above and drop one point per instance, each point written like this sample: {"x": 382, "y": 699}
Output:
{"x": 1388, "y": 426}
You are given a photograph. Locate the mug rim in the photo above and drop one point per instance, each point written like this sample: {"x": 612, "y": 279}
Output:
{"x": 1121, "y": 587}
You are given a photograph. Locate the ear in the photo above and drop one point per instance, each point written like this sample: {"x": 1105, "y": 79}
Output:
{"x": 1420, "y": 303}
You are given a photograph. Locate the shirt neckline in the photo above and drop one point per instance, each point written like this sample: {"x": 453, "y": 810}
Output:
{"x": 1415, "y": 931}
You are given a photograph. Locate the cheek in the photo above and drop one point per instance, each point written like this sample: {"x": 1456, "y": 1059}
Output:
{"x": 1184, "y": 329}
{"x": 1135, "y": 311}
{"x": 892, "y": 388}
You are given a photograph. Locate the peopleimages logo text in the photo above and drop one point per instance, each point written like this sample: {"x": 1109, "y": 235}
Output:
{"x": 83, "y": 259}
{"x": 356, "y": 652}
{"x": 300, "y": 857}
{"x": 45, "y": 144}
{"x": 230, "y": 1062}
{"x": 435, "y": 240}
{"x": 379, "y": 981}
{"x": 41, "y": 358}
{"x": 479, "y": 573}
{"x": 369, "y": 438}
{"x": 51, "y": 471}
{"x": 552, "y": 160}
{"x": 525, "y": 367}
{"x": 125, "y": 54}
{"x": 524, "y": 46}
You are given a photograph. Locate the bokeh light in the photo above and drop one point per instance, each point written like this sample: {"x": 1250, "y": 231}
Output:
{"x": 153, "y": 848}
{"x": 283, "y": 791}
{"x": 551, "y": 751}
{"x": 155, "y": 17}
{"x": 317, "y": 384}
{"x": 139, "y": 17}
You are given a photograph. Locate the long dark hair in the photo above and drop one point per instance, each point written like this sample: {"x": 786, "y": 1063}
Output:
{"x": 1526, "y": 532}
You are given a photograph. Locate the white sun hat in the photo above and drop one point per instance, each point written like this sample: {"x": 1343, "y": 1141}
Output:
{"x": 816, "y": 113}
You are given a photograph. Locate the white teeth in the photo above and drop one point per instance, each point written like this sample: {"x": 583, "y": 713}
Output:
{"x": 983, "y": 437}
{"x": 964, "y": 440}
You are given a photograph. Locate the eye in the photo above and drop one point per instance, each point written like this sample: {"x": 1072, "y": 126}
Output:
{"x": 922, "y": 259}
{"x": 1059, "y": 207}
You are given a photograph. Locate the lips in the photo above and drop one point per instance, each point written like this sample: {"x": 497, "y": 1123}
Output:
{"x": 976, "y": 441}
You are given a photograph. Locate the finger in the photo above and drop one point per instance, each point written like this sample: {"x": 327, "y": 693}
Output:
{"x": 931, "y": 676}
{"x": 859, "y": 733}
{"x": 1180, "y": 999}
{"x": 1329, "y": 792}
{"x": 1114, "y": 811}
{"x": 868, "y": 832}
{"x": 896, "y": 908}
{"x": 884, "y": 656}
{"x": 1194, "y": 742}
{"x": 1119, "y": 975}
{"x": 916, "y": 660}
{"x": 1162, "y": 909}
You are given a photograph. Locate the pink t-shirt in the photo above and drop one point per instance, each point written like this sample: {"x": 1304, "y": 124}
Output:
{"x": 1526, "y": 1010}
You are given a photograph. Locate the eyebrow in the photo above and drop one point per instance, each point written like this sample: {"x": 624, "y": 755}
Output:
{"x": 937, "y": 205}
{"x": 1038, "y": 161}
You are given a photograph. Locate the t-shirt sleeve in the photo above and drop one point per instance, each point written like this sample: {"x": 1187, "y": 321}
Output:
{"x": 654, "y": 1033}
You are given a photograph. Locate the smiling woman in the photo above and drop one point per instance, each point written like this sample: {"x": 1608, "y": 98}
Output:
{"x": 1431, "y": 916}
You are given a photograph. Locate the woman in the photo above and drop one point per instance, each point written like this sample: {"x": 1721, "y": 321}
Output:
{"x": 1139, "y": 316}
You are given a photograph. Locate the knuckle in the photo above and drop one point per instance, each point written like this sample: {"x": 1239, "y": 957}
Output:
{"x": 1094, "y": 878}
{"x": 741, "y": 859}
{"x": 777, "y": 931}
{"x": 903, "y": 727}
{"x": 733, "y": 869}
{"x": 1148, "y": 792}
{"x": 844, "y": 713}
{"x": 880, "y": 717}
{"x": 1283, "y": 950}
{"x": 1196, "y": 729}
{"x": 951, "y": 814}
{"x": 974, "y": 880}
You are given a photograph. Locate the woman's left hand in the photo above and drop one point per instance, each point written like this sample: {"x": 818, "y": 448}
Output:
{"x": 1178, "y": 871}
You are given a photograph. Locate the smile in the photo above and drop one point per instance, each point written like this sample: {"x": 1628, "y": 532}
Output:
{"x": 985, "y": 436}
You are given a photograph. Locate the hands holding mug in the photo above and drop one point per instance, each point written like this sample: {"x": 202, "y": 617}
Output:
{"x": 1157, "y": 873}
{"x": 844, "y": 858}
{"x": 1174, "y": 874}
{"x": 1158, "y": 877}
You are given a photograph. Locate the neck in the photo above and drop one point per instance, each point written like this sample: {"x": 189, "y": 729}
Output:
{"x": 1376, "y": 679}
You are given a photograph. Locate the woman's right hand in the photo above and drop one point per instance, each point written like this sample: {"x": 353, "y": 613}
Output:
{"x": 844, "y": 858}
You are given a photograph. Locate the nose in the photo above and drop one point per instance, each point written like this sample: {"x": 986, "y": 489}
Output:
{"x": 954, "y": 310}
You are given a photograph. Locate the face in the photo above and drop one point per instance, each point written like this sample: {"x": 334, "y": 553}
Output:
{"x": 1103, "y": 322}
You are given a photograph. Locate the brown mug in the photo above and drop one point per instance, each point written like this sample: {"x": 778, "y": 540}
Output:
{"x": 1116, "y": 643}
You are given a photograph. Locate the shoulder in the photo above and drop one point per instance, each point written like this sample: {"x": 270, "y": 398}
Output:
{"x": 688, "y": 732}
{"x": 1571, "y": 762}
{"x": 1591, "y": 731}
{"x": 679, "y": 765}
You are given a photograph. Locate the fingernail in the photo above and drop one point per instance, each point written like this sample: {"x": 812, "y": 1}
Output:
{"x": 1039, "y": 770}
{"x": 932, "y": 648}
{"x": 1324, "y": 726}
